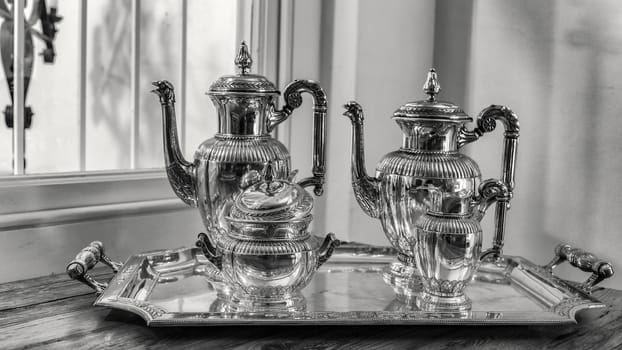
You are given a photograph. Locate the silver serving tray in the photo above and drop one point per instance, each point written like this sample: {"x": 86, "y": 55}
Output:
{"x": 177, "y": 288}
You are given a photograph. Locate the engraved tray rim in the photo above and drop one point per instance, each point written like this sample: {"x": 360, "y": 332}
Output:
{"x": 355, "y": 253}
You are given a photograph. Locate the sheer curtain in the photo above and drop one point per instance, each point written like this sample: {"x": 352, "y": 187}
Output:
{"x": 555, "y": 63}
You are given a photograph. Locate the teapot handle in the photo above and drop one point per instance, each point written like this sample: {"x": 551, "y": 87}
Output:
{"x": 326, "y": 249}
{"x": 487, "y": 122}
{"x": 293, "y": 100}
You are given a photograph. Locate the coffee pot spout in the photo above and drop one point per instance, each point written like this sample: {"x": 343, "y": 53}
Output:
{"x": 365, "y": 187}
{"x": 180, "y": 172}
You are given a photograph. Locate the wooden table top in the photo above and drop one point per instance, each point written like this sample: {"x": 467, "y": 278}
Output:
{"x": 54, "y": 312}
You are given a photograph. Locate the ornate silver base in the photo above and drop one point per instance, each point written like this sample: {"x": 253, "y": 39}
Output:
{"x": 284, "y": 303}
{"x": 397, "y": 305}
{"x": 403, "y": 276}
{"x": 434, "y": 303}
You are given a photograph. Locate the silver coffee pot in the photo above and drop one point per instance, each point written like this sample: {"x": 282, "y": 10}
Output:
{"x": 247, "y": 113}
{"x": 429, "y": 160}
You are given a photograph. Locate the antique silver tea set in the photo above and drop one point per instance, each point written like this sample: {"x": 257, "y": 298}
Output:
{"x": 425, "y": 194}
{"x": 428, "y": 196}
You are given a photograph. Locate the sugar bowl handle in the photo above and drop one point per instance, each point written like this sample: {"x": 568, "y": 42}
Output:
{"x": 209, "y": 250}
{"x": 585, "y": 261}
{"x": 293, "y": 99}
{"x": 86, "y": 259}
{"x": 326, "y": 249}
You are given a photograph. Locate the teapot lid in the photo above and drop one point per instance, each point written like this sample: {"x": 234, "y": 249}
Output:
{"x": 272, "y": 200}
{"x": 244, "y": 81}
{"x": 431, "y": 109}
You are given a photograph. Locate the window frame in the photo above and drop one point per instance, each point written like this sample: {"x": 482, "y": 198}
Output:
{"x": 60, "y": 198}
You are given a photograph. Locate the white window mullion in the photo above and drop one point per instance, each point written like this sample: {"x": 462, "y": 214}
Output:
{"x": 18, "y": 87}
{"x": 82, "y": 81}
{"x": 243, "y": 22}
{"x": 258, "y": 25}
{"x": 285, "y": 54}
{"x": 265, "y": 27}
{"x": 182, "y": 73}
{"x": 135, "y": 84}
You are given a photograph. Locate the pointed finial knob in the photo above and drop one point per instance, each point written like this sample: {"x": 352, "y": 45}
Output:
{"x": 243, "y": 60}
{"x": 431, "y": 86}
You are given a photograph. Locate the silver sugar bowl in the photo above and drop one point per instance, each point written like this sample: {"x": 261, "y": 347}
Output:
{"x": 268, "y": 255}
{"x": 430, "y": 158}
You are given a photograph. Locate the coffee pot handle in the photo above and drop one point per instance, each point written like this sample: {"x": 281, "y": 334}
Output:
{"x": 487, "y": 122}
{"x": 293, "y": 100}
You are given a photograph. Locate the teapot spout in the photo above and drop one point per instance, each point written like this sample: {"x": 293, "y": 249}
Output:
{"x": 180, "y": 172}
{"x": 365, "y": 187}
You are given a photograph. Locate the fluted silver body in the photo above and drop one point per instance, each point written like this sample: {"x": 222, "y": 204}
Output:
{"x": 221, "y": 164}
{"x": 447, "y": 256}
{"x": 268, "y": 255}
{"x": 265, "y": 275}
{"x": 404, "y": 178}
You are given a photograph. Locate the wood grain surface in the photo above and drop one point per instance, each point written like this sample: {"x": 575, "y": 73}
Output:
{"x": 54, "y": 312}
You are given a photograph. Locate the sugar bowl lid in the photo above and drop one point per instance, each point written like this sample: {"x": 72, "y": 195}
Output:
{"x": 272, "y": 200}
{"x": 431, "y": 108}
{"x": 244, "y": 81}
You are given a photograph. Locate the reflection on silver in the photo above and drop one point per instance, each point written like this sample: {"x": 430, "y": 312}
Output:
{"x": 247, "y": 113}
{"x": 174, "y": 288}
{"x": 428, "y": 170}
{"x": 268, "y": 256}
{"x": 404, "y": 279}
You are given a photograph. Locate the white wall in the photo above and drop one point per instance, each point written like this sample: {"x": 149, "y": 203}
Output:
{"x": 40, "y": 251}
{"x": 555, "y": 63}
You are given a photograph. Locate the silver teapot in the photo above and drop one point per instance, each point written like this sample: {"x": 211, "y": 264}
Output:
{"x": 429, "y": 158}
{"x": 268, "y": 255}
{"x": 247, "y": 113}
